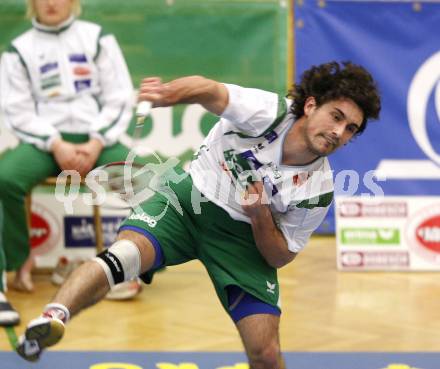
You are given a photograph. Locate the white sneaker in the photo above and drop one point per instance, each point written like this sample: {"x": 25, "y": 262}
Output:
{"x": 40, "y": 333}
{"x": 125, "y": 291}
{"x": 8, "y": 315}
{"x": 63, "y": 269}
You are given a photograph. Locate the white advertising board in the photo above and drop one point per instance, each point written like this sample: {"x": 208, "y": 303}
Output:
{"x": 388, "y": 233}
{"x": 55, "y": 233}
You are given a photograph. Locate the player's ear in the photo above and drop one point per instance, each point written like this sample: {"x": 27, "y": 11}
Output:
{"x": 309, "y": 105}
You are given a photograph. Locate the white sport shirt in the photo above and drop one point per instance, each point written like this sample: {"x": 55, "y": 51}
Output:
{"x": 71, "y": 78}
{"x": 246, "y": 144}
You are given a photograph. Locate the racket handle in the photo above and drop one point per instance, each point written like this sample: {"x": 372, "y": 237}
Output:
{"x": 143, "y": 109}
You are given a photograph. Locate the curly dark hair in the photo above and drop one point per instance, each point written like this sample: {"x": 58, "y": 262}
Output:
{"x": 332, "y": 81}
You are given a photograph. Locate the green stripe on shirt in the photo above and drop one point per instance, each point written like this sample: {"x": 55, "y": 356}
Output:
{"x": 322, "y": 201}
{"x": 12, "y": 49}
{"x": 102, "y": 34}
{"x": 281, "y": 114}
{"x": 24, "y": 133}
{"x": 104, "y": 130}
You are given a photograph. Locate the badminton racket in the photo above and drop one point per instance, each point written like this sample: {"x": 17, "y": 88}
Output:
{"x": 123, "y": 184}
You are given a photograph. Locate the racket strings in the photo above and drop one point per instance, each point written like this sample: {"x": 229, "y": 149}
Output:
{"x": 117, "y": 181}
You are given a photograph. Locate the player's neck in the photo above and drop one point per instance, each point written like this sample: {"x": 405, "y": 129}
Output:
{"x": 295, "y": 149}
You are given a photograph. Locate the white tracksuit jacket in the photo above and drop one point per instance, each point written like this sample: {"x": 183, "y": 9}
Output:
{"x": 71, "y": 78}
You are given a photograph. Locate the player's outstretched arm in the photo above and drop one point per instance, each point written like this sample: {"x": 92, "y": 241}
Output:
{"x": 212, "y": 95}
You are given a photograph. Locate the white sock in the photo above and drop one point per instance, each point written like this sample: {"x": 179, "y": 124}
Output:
{"x": 58, "y": 311}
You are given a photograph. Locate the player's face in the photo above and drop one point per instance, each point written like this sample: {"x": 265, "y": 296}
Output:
{"x": 331, "y": 125}
{"x": 53, "y": 12}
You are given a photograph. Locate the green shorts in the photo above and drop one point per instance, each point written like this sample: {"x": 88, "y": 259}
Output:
{"x": 226, "y": 247}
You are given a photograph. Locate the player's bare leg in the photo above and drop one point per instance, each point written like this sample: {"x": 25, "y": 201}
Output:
{"x": 260, "y": 336}
{"x": 86, "y": 286}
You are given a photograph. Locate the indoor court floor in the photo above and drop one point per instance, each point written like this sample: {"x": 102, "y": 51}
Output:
{"x": 330, "y": 320}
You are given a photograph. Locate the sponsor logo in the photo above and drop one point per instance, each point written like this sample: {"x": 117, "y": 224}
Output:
{"x": 372, "y": 260}
{"x": 370, "y": 236}
{"x": 113, "y": 260}
{"x": 48, "y": 67}
{"x": 40, "y": 230}
{"x": 79, "y": 231}
{"x": 384, "y": 209}
{"x": 82, "y": 84}
{"x": 181, "y": 145}
{"x": 54, "y": 93}
{"x": 271, "y": 136}
{"x": 31, "y": 347}
{"x": 423, "y": 92}
{"x": 423, "y": 233}
{"x": 351, "y": 259}
{"x": 270, "y": 287}
{"x": 50, "y": 82}
{"x": 300, "y": 178}
{"x": 424, "y": 84}
{"x": 45, "y": 229}
{"x": 428, "y": 233}
{"x": 81, "y": 71}
{"x": 144, "y": 218}
{"x": 276, "y": 172}
{"x": 78, "y": 58}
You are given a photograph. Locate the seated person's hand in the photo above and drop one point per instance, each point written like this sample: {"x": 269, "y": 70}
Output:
{"x": 89, "y": 153}
{"x": 79, "y": 157}
{"x": 65, "y": 154}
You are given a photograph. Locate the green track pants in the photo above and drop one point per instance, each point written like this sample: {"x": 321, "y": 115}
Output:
{"x": 21, "y": 169}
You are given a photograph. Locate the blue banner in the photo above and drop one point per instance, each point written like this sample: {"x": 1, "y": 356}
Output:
{"x": 398, "y": 43}
{"x": 219, "y": 360}
{"x": 79, "y": 231}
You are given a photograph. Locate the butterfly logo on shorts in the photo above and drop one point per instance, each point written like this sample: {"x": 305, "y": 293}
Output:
{"x": 270, "y": 287}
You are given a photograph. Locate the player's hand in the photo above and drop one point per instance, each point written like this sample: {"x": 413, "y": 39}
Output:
{"x": 152, "y": 89}
{"x": 255, "y": 200}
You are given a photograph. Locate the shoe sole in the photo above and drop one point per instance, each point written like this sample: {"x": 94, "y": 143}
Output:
{"x": 44, "y": 333}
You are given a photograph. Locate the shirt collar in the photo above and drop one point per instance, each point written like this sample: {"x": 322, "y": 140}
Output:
{"x": 53, "y": 29}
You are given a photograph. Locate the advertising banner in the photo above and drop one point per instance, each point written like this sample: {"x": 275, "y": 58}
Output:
{"x": 59, "y": 231}
{"x": 388, "y": 233}
{"x": 397, "y": 41}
